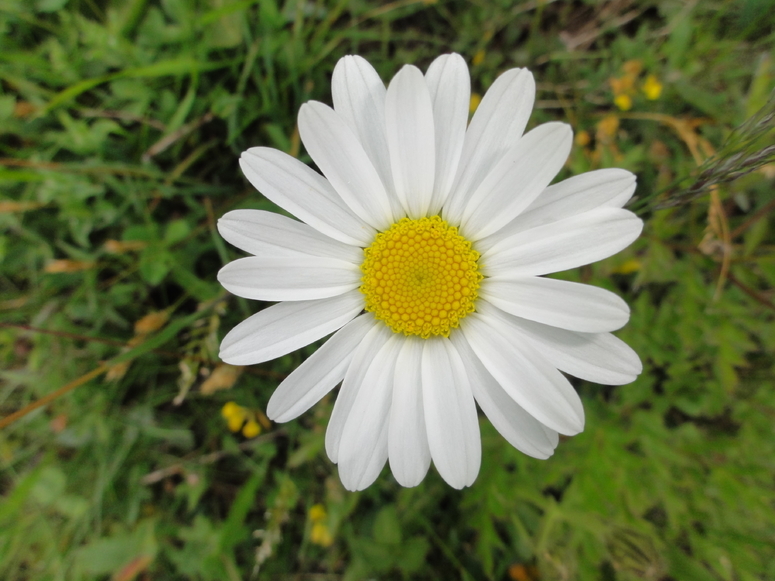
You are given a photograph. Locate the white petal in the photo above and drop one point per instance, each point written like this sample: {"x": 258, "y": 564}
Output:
{"x": 304, "y": 193}
{"x": 450, "y": 414}
{"x": 364, "y": 354}
{"x": 599, "y": 357}
{"x": 554, "y": 437}
{"x": 319, "y": 374}
{"x": 495, "y": 128}
{"x": 359, "y": 97}
{"x": 363, "y": 449}
{"x": 568, "y": 305}
{"x": 450, "y": 88}
{"x": 609, "y": 188}
{"x": 259, "y": 232}
{"x": 517, "y": 179}
{"x": 523, "y": 373}
{"x": 411, "y": 140}
{"x": 340, "y": 156}
{"x": 520, "y": 429}
{"x": 287, "y": 326}
{"x": 291, "y": 277}
{"x": 408, "y": 449}
{"x": 563, "y": 244}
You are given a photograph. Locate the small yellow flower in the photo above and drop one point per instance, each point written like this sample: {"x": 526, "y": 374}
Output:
{"x": 476, "y": 98}
{"x": 317, "y": 513}
{"x": 251, "y": 429}
{"x": 229, "y": 409}
{"x": 235, "y": 423}
{"x": 478, "y": 57}
{"x": 320, "y": 535}
{"x": 235, "y": 416}
{"x": 652, "y": 88}
{"x": 624, "y": 102}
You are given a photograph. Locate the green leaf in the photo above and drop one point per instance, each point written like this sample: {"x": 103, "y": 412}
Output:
{"x": 50, "y": 485}
{"x": 109, "y": 555}
{"x": 7, "y": 105}
{"x": 49, "y": 5}
{"x": 174, "y": 67}
{"x": 176, "y": 231}
{"x": 11, "y": 175}
{"x": 413, "y": 554}
{"x": 710, "y": 104}
{"x": 155, "y": 264}
{"x": 201, "y": 290}
{"x": 387, "y": 528}
{"x": 755, "y": 235}
{"x": 233, "y": 530}
{"x": 14, "y": 501}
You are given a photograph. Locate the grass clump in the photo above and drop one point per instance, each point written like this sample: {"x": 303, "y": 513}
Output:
{"x": 120, "y": 127}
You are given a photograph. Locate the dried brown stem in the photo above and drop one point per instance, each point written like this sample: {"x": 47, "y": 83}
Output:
{"x": 750, "y": 292}
{"x": 8, "y": 420}
{"x": 170, "y": 139}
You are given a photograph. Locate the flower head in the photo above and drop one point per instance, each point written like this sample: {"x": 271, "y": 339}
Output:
{"x": 652, "y": 88}
{"x": 422, "y": 249}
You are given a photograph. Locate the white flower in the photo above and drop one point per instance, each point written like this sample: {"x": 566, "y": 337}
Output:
{"x": 441, "y": 233}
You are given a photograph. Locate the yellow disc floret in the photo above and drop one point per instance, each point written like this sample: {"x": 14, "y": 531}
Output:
{"x": 420, "y": 277}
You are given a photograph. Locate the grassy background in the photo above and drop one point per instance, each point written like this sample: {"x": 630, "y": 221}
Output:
{"x": 120, "y": 127}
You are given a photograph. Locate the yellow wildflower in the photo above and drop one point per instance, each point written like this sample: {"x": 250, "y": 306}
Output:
{"x": 235, "y": 416}
{"x": 652, "y": 88}
{"x": 235, "y": 423}
{"x": 320, "y": 535}
{"x": 476, "y": 98}
{"x": 251, "y": 429}
{"x": 624, "y": 102}
{"x": 229, "y": 409}
{"x": 317, "y": 512}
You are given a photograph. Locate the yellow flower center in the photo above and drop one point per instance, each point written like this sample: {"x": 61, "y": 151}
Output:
{"x": 420, "y": 277}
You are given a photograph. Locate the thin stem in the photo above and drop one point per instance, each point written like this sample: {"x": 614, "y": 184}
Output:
{"x": 755, "y": 217}
{"x": 8, "y": 420}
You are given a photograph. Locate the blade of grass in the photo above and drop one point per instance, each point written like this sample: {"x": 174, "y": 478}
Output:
{"x": 172, "y": 67}
{"x": 156, "y": 341}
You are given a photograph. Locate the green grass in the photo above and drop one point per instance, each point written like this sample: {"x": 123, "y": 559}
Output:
{"x": 120, "y": 128}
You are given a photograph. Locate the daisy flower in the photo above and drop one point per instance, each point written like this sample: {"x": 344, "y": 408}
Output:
{"x": 421, "y": 247}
